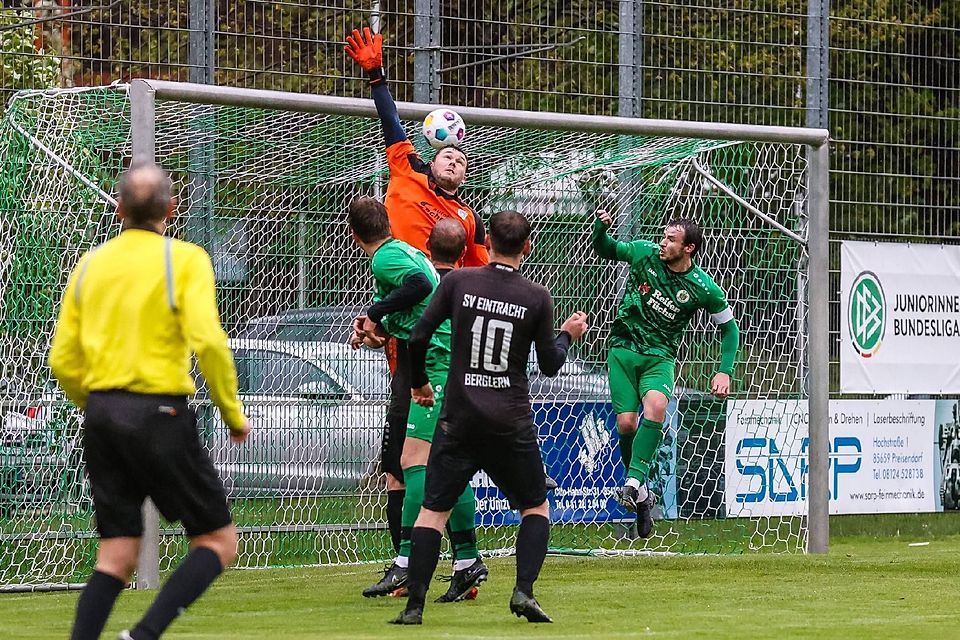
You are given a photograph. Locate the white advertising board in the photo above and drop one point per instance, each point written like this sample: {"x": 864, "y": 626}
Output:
{"x": 899, "y": 318}
{"x": 881, "y": 457}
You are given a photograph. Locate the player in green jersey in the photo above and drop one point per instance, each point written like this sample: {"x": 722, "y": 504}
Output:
{"x": 404, "y": 281}
{"x": 664, "y": 289}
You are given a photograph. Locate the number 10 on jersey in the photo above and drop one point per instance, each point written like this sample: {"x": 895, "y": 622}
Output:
{"x": 487, "y": 332}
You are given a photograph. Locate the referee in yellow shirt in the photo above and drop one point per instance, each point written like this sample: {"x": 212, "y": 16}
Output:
{"x": 134, "y": 310}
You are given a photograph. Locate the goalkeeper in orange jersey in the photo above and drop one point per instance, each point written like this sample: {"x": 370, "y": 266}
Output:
{"x": 419, "y": 193}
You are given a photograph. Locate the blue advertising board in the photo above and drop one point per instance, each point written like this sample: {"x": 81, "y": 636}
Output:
{"x": 580, "y": 449}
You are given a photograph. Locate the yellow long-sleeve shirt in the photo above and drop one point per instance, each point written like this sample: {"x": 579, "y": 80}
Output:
{"x": 127, "y": 321}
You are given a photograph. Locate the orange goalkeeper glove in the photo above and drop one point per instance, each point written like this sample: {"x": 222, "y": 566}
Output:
{"x": 366, "y": 49}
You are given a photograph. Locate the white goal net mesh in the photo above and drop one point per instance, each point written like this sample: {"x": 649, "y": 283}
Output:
{"x": 264, "y": 191}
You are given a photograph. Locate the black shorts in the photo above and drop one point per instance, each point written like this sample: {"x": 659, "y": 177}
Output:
{"x": 395, "y": 429}
{"x": 512, "y": 461}
{"x": 137, "y": 445}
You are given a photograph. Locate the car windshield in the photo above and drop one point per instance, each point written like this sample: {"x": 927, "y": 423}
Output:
{"x": 273, "y": 373}
{"x": 364, "y": 369}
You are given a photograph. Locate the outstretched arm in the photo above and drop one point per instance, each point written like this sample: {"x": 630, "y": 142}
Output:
{"x": 66, "y": 354}
{"x": 367, "y": 50}
{"x": 552, "y": 351}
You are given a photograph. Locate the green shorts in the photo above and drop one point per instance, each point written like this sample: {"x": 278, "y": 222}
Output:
{"x": 632, "y": 375}
{"x": 422, "y": 421}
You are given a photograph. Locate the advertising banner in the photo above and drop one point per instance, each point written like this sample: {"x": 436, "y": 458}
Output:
{"x": 882, "y": 457}
{"x": 580, "y": 451}
{"x": 899, "y": 311}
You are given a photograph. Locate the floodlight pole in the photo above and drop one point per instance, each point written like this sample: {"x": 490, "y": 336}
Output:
{"x": 143, "y": 135}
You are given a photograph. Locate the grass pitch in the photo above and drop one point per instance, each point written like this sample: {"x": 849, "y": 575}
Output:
{"x": 867, "y": 587}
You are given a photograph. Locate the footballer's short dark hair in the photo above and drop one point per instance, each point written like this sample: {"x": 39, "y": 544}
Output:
{"x": 455, "y": 147}
{"x": 509, "y": 230}
{"x": 368, "y": 219}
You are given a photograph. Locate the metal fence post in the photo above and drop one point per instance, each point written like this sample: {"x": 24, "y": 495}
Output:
{"x": 426, "y": 51}
{"x": 142, "y": 133}
{"x": 818, "y": 295}
{"x": 200, "y": 187}
{"x": 818, "y": 59}
{"x": 201, "y": 56}
{"x": 630, "y": 74}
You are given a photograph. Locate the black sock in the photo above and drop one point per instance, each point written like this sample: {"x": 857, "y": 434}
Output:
{"x": 394, "y": 509}
{"x": 532, "y": 542}
{"x": 192, "y": 577}
{"x": 424, "y": 555}
{"x": 94, "y": 605}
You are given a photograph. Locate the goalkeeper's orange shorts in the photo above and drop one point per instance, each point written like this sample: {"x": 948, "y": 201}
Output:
{"x": 390, "y": 351}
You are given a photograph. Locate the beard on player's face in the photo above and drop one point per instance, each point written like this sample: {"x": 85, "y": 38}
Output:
{"x": 672, "y": 247}
{"x": 448, "y": 181}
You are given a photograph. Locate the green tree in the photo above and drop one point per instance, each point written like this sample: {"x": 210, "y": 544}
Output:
{"x": 21, "y": 65}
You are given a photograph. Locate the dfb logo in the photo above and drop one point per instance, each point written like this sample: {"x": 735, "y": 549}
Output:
{"x": 781, "y": 476}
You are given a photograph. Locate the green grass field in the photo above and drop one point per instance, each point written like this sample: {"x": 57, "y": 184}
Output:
{"x": 877, "y": 582}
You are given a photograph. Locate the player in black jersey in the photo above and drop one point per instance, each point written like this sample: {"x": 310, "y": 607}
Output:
{"x": 486, "y": 421}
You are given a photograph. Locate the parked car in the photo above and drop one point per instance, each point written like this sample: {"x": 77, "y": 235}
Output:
{"x": 40, "y": 452}
{"x": 316, "y": 324}
{"x": 317, "y": 409}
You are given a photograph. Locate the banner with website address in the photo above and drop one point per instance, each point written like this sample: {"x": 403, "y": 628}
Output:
{"x": 882, "y": 457}
{"x": 899, "y": 311}
{"x": 581, "y": 452}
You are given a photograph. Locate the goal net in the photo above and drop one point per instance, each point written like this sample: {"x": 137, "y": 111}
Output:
{"x": 264, "y": 191}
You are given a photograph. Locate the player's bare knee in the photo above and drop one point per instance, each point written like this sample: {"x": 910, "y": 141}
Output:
{"x": 222, "y": 542}
{"x": 118, "y": 557}
{"x": 415, "y": 453}
{"x": 539, "y": 510}
{"x": 655, "y": 406}
{"x": 436, "y": 520}
{"x": 627, "y": 422}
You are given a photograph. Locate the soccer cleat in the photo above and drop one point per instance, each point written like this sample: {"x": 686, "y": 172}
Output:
{"x": 527, "y": 606}
{"x": 393, "y": 578}
{"x": 627, "y": 497}
{"x": 645, "y": 515}
{"x": 124, "y": 635}
{"x": 550, "y": 483}
{"x": 463, "y": 582}
{"x": 409, "y": 616}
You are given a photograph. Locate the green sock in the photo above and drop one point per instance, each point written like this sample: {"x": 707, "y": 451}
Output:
{"x": 645, "y": 447}
{"x": 626, "y": 448}
{"x": 463, "y": 533}
{"x": 413, "y": 478}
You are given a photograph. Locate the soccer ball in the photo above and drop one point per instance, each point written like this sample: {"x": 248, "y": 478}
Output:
{"x": 443, "y": 128}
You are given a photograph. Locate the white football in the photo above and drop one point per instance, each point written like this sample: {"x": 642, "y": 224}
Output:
{"x": 443, "y": 128}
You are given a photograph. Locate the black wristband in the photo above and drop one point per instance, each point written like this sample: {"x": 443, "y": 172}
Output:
{"x": 376, "y": 76}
